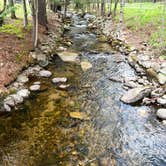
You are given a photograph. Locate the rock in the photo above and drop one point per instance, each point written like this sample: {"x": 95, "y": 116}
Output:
{"x": 35, "y": 88}
{"x": 22, "y": 79}
{"x": 131, "y": 84}
{"x": 24, "y": 93}
{"x": 9, "y": 101}
{"x": 79, "y": 115}
{"x": 162, "y": 100}
{"x": 161, "y": 113}
{"x": 161, "y": 78}
{"x": 68, "y": 56}
{"x": 152, "y": 73}
{"x": 164, "y": 122}
{"x": 157, "y": 92}
{"x": 163, "y": 70}
{"x": 136, "y": 94}
{"x": 86, "y": 65}
{"x": 59, "y": 79}
{"x": 45, "y": 73}
{"x": 17, "y": 99}
{"x": 7, "y": 108}
{"x": 37, "y": 83}
{"x": 63, "y": 86}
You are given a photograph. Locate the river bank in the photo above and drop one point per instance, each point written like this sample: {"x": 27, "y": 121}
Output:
{"x": 16, "y": 47}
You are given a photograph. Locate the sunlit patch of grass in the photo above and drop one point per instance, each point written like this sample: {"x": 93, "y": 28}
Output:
{"x": 15, "y": 28}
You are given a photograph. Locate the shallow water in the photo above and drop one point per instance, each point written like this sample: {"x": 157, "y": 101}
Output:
{"x": 41, "y": 131}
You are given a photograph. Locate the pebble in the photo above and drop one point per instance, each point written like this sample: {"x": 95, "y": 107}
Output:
{"x": 45, "y": 73}
{"x": 63, "y": 86}
{"x": 35, "y": 88}
{"x": 59, "y": 79}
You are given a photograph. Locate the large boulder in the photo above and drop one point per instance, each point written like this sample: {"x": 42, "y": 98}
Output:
{"x": 136, "y": 94}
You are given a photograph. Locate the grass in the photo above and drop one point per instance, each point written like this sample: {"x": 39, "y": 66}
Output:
{"x": 15, "y": 27}
{"x": 146, "y": 17}
{"x": 137, "y": 15}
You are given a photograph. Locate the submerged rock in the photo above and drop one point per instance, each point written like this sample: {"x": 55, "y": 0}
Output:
{"x": 161, "y": 113}
{"x": 86, "y": 65}
{"x": 136, "y": 94}
{"x": 35, "y": 88}
{"x": 62, "y": 86}
{"x": 45, "y": 73}
{"x": 68, "y": 56}
{"x": 79, "y": 115}
{"x": 59, "y": 79}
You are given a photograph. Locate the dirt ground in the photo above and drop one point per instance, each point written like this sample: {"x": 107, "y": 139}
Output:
{"x": 14, "y": 51}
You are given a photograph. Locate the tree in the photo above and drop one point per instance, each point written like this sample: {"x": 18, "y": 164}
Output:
{"x": 25, "y": 13}
{"x": 4, "y": 6}
{"x": 42, "y": 14}
{"x": 11, "y": 5}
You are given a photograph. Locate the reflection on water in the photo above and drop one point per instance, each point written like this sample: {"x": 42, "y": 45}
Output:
{"x": 41, "y": 131}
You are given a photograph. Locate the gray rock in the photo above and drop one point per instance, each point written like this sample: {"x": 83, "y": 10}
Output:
{"x": 161, "y": 113}
{"x": 163, "y": 70}
{"x": 17, "y": 99}
{"x": 35, "y": 88}
{"x": 37, "y": 83}
{"x": 59, "y": 79}
{"x": 162, "y": 78}
{"x": 68, "y": 56}
{"x": 22, "y": 79}
{"x": 7, "y": 108}
{"x": 136, "y": 94}
{"x": 62, "y": 86}
{"x": 162, "y": 100}
{"x": 45, "y": 73}
{"x": 9, "y": 101}
{"x": 157, "y": 92}
{"x": 24, "y": 93}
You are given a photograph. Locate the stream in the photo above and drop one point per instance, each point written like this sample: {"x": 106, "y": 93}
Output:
{"x": 41, "y": 131}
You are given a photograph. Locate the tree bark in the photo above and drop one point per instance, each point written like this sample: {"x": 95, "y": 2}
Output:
{"x": 42, "y": 15}
{"x": 25, "y": 13}
{"x": 13, "y": 14}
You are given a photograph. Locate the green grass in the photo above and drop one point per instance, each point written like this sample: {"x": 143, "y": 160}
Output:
{"x": 15, "y": 28}
{"x": 137, "y": 15}
{"x": 146, "y": 17}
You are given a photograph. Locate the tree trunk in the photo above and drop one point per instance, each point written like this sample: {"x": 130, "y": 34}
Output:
{"x": 103, "y": 7}
{"x": 34, "y": 8}
{"x": 42, "y": 15}
{"x": 11, "y": 4}
{"x": 4, "y": 6}
{"x": 25, "y": 13}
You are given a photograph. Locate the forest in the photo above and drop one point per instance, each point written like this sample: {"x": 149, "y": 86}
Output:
{"x": 83, "y": 82}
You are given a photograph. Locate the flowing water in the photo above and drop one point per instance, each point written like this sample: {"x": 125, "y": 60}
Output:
{"x": 42, "y": 132}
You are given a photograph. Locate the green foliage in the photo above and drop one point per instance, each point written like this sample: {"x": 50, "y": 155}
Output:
{"x": 14, "y": 29}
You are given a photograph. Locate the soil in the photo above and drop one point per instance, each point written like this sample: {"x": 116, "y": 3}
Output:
{"x": 14, "y": 51}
